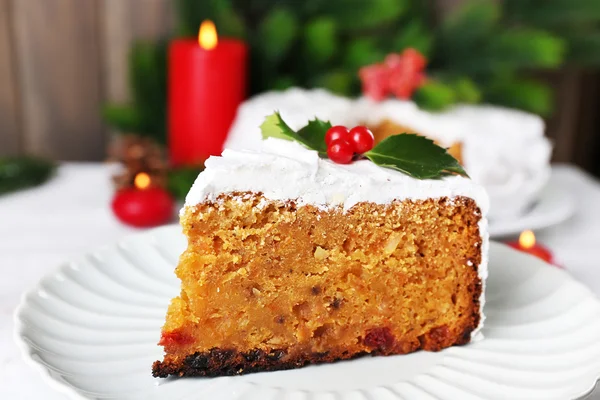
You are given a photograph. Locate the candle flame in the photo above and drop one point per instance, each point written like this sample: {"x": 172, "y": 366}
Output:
{"x": 142, "y": 180}
{"x": 527, "y": 239}
{"x": 207, "y": 35}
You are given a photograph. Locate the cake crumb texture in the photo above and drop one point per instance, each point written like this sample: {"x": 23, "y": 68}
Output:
{"x": 267, "y": 285}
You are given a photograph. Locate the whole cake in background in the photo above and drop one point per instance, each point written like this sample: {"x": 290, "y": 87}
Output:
{"x": 502, "y": 149}
{"x": 295, "y": 259}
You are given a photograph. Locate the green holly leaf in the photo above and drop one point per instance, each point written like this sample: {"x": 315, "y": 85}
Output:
{"x": 411, "y": 154}
{"x": 416, "y": 156}
{"x": 275, "y": 127}
{"x": 314, "y": 134}
{"x": 311, "y": 136}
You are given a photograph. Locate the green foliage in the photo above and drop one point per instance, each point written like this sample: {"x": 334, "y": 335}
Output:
{"x": 352, "y": 15}
{"x": 524, "y": 94}
{"x": 414, "y": 34}
{"x": 320, "y": 40}
{"x": 470, "y": 25}
{"x": 337, "y": 81}
{"x": 276, "y": 34}
{"x": 325, "y": 42}
{"x": 583, "y": 48}
{"x": 146, "y": 115}
{"x": 483, "y": 41}
{"x": 435, "y": 96}
{"x": 191, "y": 13}
{"x": 180, "y": 181}
{"x": 524, "y": 48}
{"x": 553, "y": 13}
{"x": 361, "y": 52}
{"x": 483, "y": 51}
{"x": 22, "y": 172}
{"x": 577, "y": 22}
{"x": 465, "y": 90}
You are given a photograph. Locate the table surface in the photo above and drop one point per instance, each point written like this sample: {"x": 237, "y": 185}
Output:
{"x": 70, "y": 215}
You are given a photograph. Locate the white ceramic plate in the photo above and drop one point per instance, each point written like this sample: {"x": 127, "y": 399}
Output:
{"x": 91, "y": 328}
{"x": 554, "y": 205}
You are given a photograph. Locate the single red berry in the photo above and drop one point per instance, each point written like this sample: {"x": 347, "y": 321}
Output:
{"x": 361, "y": 139}
{"x": 340, "y": 151}
{"x": 335, "y": 133}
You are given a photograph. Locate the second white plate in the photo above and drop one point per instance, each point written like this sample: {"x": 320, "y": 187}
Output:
{"x": 554, "y": 205}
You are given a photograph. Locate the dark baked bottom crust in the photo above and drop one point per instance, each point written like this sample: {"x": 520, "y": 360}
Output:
{"x": 220, "y": 362}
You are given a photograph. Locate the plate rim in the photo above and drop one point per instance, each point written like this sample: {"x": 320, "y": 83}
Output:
{"x": 70, "y": 391}
{"x": 567, "y": 211}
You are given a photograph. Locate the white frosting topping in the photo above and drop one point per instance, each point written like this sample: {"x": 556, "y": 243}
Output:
{"x": 284, "y": 170}
{"x": 504, "y": 150}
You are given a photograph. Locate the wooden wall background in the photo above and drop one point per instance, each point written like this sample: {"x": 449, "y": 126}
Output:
{"x": 60, "y": 60}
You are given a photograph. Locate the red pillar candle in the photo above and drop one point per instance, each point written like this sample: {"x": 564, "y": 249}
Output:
{"x": 207, "y": 82}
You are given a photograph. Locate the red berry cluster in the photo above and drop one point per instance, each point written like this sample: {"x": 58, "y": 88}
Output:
{"x": 344, "y": 144}
{"x": 400, "y": 75}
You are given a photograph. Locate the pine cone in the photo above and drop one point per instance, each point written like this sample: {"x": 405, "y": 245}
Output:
{"x": 139, "y": 154}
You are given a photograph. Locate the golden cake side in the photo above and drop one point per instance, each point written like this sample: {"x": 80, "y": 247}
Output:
{"x": 268, "y": 284}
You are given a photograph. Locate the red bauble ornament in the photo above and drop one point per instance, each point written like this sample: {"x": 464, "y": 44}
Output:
{"x": 361, "y": 139}
{"x": 143, "y": 206}
{"x": 340, "y": 151}
{"x": 336, "y": 132}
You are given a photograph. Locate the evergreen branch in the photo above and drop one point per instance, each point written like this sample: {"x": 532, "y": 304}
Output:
{"x": 552, "y": 13}
{"x": 583, "y": 48}
{"x": 524, "y": 94}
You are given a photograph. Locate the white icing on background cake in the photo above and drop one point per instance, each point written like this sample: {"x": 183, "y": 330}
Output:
{"x": 283, "y": 170}
{"x": 504, "y": 150}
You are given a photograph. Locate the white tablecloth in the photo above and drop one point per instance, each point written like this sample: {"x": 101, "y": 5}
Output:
{"x": 42, "y": 227}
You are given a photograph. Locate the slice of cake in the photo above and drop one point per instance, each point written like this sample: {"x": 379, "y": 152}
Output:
{"x": 293, "y": 259}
